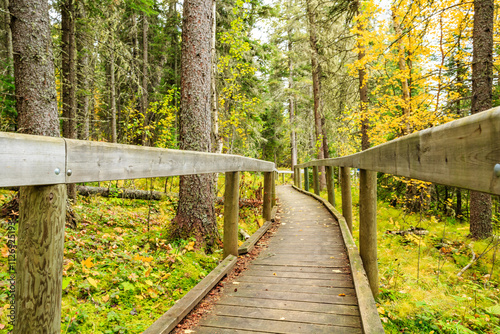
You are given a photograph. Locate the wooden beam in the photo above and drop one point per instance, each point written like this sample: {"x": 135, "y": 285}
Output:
{"x": 330, "y": 184}
{"x": 368, "y": 226}
{"x": 273, "y": 193}
{"x": 316, "y": 180}
{"x": 299, "y": 181}
{"x": 462, "y": 153}
{"x": 31, "y": 160}
{"x": 231, "y": 213}
{"x": 96, "y": 161}
{"x": 345, "y": 189}
{"x": 37, "y": 160}
{"x": 267, "y": 202}
{"x": 39, "y": 263}
{"x": 306, "y": 179}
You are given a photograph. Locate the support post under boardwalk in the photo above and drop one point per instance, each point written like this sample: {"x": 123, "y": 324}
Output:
{"x": 306, "y": 179}
{"x": 231, "y": 213}
{"x": 368, "y": 226}
{"x": 330, "y": 184}
{"x": 39, "y": 264}
{"x": 316, "y": 180}
{"x": 268, "y": 188}
{"x": 345, "y": 189}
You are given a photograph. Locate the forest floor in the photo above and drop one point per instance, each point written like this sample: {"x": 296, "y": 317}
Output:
{"x": 120, "y": 274}
{"x": 420, "y": 289}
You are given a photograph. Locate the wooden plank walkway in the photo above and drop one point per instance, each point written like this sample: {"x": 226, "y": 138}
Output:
{"x": 300, "y": 284}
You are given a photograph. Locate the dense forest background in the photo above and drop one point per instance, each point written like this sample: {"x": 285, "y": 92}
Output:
{"x": 292, "y": 80}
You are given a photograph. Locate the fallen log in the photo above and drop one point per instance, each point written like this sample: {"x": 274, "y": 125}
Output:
{"x": 244, "y": 234}
{"x": 122, "y": 193}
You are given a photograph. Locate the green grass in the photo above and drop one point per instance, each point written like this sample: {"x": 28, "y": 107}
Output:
{"x": 420, "y": 291}
{"x": 120, "y": 274}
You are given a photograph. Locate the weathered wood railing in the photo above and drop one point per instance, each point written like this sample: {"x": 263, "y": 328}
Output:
{"x": 464, "y": 153}
{"x": 40, "y": 161}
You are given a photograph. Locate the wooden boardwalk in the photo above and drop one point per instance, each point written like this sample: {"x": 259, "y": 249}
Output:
{"x": 300, "y": 284}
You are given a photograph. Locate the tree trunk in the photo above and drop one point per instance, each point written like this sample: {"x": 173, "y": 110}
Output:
{"x": 144, "y": 88}
{"x": 291, "y": 101}
{"x": 69, "y": 75}
{"x": 402, "y": 69}
{"x": 363, "y": 89}
{"x": 216, "y": 138}
{"x": 318, "y": 103}
{"x": 42, "y": 208}
{"x": 195, "y": 212}
{"x": 113, "y": 94}
{"x": 7, "y": 37}
{"x": 482, "y": 79}
{"x": 82, "y": 75}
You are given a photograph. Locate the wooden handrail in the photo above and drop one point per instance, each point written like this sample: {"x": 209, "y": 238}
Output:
{"x": 462, "y": 153}
{"x": 27, "y": 160}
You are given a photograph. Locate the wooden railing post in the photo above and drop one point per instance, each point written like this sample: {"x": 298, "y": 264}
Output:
{"x": 268, "y": 188}
{"x": 316, "y": 180}
{"x": 345, "y": 189}
{"x": 330, "y": 184}
{"x": 39, "y": 263}
{"x": 299, "y": 178}
{"x": 231, "y": 213}
{"x": 368, "y": 226}
{"x": 306, "y": 179}
{"x": 273, "y": 197}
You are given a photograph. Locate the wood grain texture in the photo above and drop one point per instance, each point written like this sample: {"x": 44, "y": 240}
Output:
{"x": 292, "y": 287}
{"x": 231, "y": 213}
{"x": 39, "y": 261}
{"x": 176, "y": 313}
{"x": 96, "y": 161}
{"x": 31, "y": 160}
{"x": 368, "y": 310}
{"x": 345, "y": 188}
{"x": 461, "y": 153}
{"x": 267, "y": 198}
{"x": 368, "y": 226}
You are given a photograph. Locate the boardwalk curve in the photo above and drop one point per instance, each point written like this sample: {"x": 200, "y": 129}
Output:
{"x": 301, "y": 283}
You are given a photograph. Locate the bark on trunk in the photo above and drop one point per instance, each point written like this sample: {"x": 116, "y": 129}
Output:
{"x": 42, "y": 209}
{"x": 482, "y": 79}
{"x": 402, "y": 69}
{"x": 7, "y": 37}
{"x": 363, "y": 90}
{"x": 195, "y": 212}
{"x": 82, "y": 75}
{"x": 69, "y": 75}
{"x": 291, "y": 104}
{"x": 318, "y": 103}
{"x": 145, "y": 78}
{"x": 113, "y": 95}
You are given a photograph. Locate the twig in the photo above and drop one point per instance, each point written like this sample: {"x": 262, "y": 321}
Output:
{"x": 470, "y": 263}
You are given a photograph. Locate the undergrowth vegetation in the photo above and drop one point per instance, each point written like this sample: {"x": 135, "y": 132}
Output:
{"x": 421, "y": 288}
{"x": 120, "y": 271}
